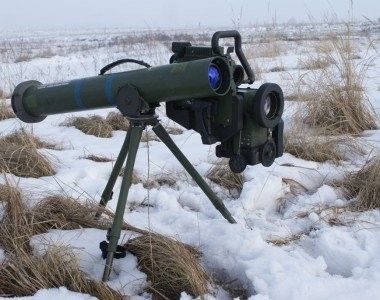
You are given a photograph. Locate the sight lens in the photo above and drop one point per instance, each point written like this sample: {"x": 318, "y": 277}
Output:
{"x": 214, "y": 77}
{"x": 270, "y": 105}
{"x": 267, "y": 105}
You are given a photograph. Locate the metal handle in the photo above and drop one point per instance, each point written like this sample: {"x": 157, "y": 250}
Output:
{"x": 123, "y": 61}
{"x": 239, "y": 52}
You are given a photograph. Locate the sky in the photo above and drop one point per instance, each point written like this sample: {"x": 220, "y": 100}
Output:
{"x": 166, "y": 14}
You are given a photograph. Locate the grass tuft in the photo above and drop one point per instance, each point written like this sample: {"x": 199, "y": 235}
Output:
{"x": 135, "y": 177}
{"x": 117, "y": 121}
{"x": 24, "y": 161}
{"x": 174, "y": 130}
{"x": 364, "y": 185}
{"x": 93, "y": 125}
{"x": 310, "y": 146}
{"x": 5, "y": 111}
{"x": 23, "y": 138}
{"x": 97, "y": 158}
{"x": 171, "y": 266}
{"x": 62, "y": 212}
{"x": 338, "y": 103}
{"x": 222, "y": 175}
{"x": 23, "y": 274}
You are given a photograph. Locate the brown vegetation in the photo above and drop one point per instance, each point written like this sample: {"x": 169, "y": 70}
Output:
{"x": 5, "y": 111}
{"x": 135, "y": 177}
{"x": 313, "y": 147}
{"x": 173, "y": 130}
{"x": 24, "y": 161}
{"x": 97, "y": 158}
{"x": 24, "y": 138}
{"x": 117, "y": 121}
{"x": 160, "y": 180}
{"x": 149, "y": 136}
{"x": 364, "y": 185}
{"x": 171, "y": 266}
{"x": 314, "y": 63}
{"x": 277, "y": 69}
{"x": 93, "y": 125}
{"x": 268, "y": 49}
{"x": 24, "y": 274}
{"x": 222, "y": 175}
{"x": 337, "y": 102}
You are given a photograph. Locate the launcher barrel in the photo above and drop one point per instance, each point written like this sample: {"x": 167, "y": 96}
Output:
{"x": 32, "y": 101}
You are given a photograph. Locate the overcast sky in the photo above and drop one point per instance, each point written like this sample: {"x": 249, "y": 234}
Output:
{"x": 20, "y": 14}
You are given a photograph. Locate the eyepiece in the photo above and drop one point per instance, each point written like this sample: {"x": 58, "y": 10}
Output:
{"x": 268, "y": 105}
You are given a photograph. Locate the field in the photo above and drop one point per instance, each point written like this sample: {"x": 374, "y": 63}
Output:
{"x": 303, "y": 232}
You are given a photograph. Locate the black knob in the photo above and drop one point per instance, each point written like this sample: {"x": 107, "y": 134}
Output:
{"x": 237, "y": 163}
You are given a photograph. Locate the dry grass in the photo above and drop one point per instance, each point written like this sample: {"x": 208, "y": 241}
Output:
{"x": 93, "y": 125}
{"x": 174, "y": 130}
{"x": 5, "y": 111}
{"x": 160, "y": 180}
{"x": 149, "y": 136}
{"x": 171, "y": 266}
{"x": 23, "y": 138}
{"x": 364, "y": 185}
{"x": 15, "y": 231}
{"x": 135, "y": 177}
{"x": 338, "y": 103}
{"x": 267, "y": 49}
{"x": 24, "y": 274}
{"x": 117, "y": 121}
{"x": 314, "y": 63}
{"x": 222, "y": 175}
{"x": 277, "y": 69}
{"x": 313, "y": 147}
{"x": 282, "y": 241}
{"x": 19, "y": 155}
{"x": 62, "y": 212}
{"x": 24, "y": 161}
{"x": 97, "y": 158}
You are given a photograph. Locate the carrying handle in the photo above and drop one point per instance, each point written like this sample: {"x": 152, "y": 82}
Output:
{"x": 123, "y": 61}
{"x": 239, "y": 52}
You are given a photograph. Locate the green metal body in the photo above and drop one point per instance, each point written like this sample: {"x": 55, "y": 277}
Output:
{"x": 157, "y": 84}
{"x": 114, "y": 234}
{"x": 252, "y": 134}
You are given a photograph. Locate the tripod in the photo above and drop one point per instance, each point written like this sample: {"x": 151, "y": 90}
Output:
{"x": 130, "y": 145}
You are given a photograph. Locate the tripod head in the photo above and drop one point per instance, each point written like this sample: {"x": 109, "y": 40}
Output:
{"x": 201, "y": 89}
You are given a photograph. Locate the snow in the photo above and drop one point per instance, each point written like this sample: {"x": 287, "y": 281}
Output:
{"x": 57, "y": 294}
{"x": 322, "y": 262}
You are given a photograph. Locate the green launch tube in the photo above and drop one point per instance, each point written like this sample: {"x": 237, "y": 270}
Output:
{"x": 32, "y": 101}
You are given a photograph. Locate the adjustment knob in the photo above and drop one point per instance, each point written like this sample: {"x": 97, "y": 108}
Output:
{"x": 237, "y": 163}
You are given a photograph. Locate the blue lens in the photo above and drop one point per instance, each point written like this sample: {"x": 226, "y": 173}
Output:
{"x": 214, "y": 77}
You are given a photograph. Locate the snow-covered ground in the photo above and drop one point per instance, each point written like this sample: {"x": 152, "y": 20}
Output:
{"x": 321, "y": 261}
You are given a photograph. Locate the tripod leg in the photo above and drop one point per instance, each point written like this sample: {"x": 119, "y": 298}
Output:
{"x": 106, "y": 195}
{"x": 117, "y": 224}
{"x": 160, "y": 131}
